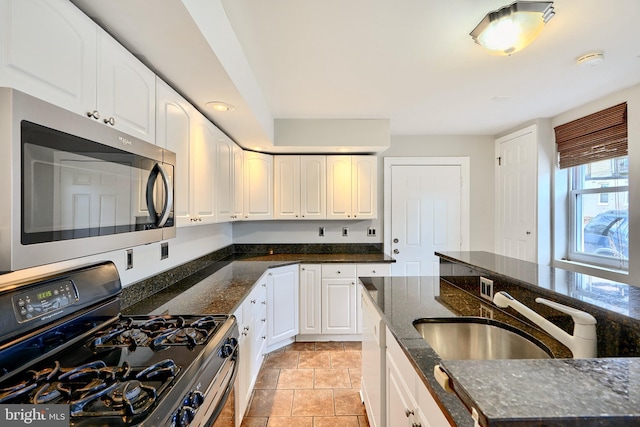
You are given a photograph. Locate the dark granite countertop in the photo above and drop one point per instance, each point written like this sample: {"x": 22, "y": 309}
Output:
{"x": 537, "y": 392}
{"x": 554, "y": 392}
{"x": 221, "y": 286}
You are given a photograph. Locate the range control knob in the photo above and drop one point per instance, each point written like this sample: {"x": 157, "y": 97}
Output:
{"x": 226, "y": 350}
{"x": 196, "y": 399}
{"x": 184, "y": 416}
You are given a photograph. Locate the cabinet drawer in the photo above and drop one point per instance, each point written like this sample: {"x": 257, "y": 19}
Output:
{"x": 334, "y": 271}
{"x": 373, "y": 270}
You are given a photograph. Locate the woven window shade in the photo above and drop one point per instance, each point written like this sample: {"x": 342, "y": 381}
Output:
{"x": 598, "y": 136}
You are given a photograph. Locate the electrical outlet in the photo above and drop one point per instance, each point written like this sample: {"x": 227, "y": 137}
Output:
{"x": 129, "y": 259}
{"x": 321, "y": 231}
{"x": 371, "y": 232}
{"x": 164, "y": 250}
{"x": 486, "y": 288}
{"x": 486, "y": 311}
{"x": 345, "y": 231}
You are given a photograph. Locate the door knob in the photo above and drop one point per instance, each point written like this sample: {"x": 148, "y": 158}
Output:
{"x": 395, "y": 251}
{"x": 395, "y": 240}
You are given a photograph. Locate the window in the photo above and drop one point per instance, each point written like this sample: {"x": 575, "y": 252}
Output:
{"x": 600, "y": 213}
{"x": 594, "y": 149}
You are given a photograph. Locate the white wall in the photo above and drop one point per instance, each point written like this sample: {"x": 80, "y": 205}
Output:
{"x": 632, "y": 97}
{"x": 306, "y": 231}
{"x": 480, "y": 150}
{"x": 190, "y": 243}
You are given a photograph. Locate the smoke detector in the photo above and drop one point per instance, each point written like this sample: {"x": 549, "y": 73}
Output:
{"x": 590, "y": 60}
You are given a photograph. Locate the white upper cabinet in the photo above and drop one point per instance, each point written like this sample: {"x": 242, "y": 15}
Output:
{"x": 185, "y": 131}
{"x": 229, "y": 158}
{"x": 300, "y": 187}
{"x": 51, "y": 50}
{"x": 174, "y": 125}
{"x": 352, "y": 187}
{"x": 286, "y": 175}
{"x": 202, "y": 169}
{"x": 48, "y": 50}
{"x": 126, "y": 90}
{"x": 313, "y": 187}
{"x": 258, "y": 186}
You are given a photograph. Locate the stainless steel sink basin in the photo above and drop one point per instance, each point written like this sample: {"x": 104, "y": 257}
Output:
{"x": 479, "y": 338}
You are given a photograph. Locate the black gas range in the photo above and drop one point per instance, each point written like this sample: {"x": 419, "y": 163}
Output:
{"x": 64, "y": 341}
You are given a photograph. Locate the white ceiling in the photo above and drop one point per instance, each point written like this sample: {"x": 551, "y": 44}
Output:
{"x": 409, "y": 61}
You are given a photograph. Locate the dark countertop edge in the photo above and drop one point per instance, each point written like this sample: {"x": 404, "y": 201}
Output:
{"x": 451, "y": 405}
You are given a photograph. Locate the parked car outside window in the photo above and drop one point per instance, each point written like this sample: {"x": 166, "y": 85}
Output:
{"x": 607, "y": 234}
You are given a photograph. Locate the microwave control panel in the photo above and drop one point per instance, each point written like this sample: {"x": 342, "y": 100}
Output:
{"x": 44, "y": 300}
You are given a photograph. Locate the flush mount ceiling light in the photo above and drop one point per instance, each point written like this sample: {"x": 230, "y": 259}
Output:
{"x": 511, "y": 28}
{"x": 220, "y": 106}
{"x": 590, "y": 60}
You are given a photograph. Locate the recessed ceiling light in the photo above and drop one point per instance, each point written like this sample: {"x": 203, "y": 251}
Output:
{"x": 220, "y": 106}
{"x": 590, "y": 59}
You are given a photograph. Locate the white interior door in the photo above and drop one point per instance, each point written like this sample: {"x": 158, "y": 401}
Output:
{"x": 516, "y": 195}
{"x": 426, "y": 216}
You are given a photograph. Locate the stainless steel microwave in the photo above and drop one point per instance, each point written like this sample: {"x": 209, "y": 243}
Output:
{"x": 75, "y": 187}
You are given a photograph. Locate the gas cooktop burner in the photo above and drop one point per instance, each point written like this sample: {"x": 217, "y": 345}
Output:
{"x": 95, "y": 389}
{"x": 157, "y": 332}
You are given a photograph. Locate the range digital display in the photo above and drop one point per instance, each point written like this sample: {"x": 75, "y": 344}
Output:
{"x": 44, "y": 295}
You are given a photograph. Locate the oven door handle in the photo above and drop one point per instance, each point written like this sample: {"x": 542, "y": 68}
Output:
{"x": 161, "y": 219}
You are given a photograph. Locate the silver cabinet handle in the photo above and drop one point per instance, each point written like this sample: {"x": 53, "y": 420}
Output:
{"x": 110, "y": 121}
{"x": 93, "y": 114}
{"x": 253, "y": 301}
{"x": 408, "y": 412}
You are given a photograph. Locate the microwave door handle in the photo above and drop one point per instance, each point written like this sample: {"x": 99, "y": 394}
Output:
{"x": 166, "y": 181}
{"x": 168, "y": 191}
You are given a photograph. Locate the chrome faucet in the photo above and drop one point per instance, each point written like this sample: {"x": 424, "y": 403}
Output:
{"x": 583, "y": 342}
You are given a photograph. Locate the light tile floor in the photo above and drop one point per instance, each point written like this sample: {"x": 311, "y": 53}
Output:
{"x": 309, "y": 385}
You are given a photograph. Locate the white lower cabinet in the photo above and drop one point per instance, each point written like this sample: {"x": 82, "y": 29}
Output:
{"x": 310, "y": 298}
{"x": 373, "y": 362}
{"x": 282, "y": 306}
{"x": 329, "y": 299}
{"x": 408, "y": 402}
{"x": 339, "y": 303}
{"x": 251, "y": 317}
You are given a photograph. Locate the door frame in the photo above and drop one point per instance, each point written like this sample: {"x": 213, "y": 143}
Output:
{"x": 465, "y": 194}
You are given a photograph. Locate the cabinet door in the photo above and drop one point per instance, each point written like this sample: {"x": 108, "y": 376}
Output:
{"x": 286, "y": 177}
{"x": 258, "y": 186}
{"x": 238, "y": 179}
{"x": 400, "y": 404}
{"x": 224, "y": 180}
{"x": 126, "y": 90}
{"x": 339, "y": 187}
{"x": 313, "y": 187}
{"x": 203, "y": 146}
{"x": 310, "y": 299}
{"x": 339, "y": 306}
{"x": 282, "y": 305}
{"x": 48, "y": 50}
{"x": 173, "y": 129}
{"x": 243, "y": 378}
{"x": 364, "y": 188}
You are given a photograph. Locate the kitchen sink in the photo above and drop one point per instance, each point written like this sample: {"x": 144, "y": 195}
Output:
{"x": 479, "y": 338}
